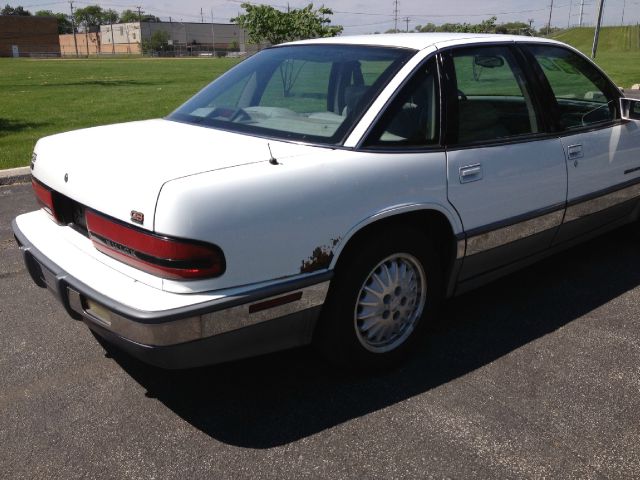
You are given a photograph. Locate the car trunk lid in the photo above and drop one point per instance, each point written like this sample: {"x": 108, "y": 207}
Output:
{"x": 120, "y": 169}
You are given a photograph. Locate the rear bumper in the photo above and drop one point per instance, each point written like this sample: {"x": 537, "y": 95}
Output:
{"x": 252, "y": 322}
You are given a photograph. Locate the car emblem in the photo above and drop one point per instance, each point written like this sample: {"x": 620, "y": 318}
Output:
{"x": 66, "y": 177}
{"x": 137, "y": 217}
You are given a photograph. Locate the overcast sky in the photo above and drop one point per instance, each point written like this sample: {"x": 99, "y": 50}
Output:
{"x": 361, "y": 16}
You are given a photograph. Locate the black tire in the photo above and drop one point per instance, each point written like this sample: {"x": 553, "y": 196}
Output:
{"x": 342, "y": 337}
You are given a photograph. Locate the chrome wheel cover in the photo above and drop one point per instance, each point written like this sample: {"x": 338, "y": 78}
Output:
{"x": 390, "y": 303}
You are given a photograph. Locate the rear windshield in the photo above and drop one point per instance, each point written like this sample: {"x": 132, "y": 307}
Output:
{"x": 312, "y": 93}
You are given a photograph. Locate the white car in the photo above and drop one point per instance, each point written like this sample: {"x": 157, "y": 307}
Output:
{"x": 333, "y": 191}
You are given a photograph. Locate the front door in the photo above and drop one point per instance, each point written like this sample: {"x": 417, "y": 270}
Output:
{"x": 506, "y": 176}
{"x": 602, "y": 152}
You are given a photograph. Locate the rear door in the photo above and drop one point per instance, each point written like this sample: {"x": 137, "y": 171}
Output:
{"x": 506, "y": 173}
{"x": 602, "y": 152}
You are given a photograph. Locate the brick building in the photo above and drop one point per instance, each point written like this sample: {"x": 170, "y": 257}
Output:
{"x": 87, "y": 42}
{"x": 28, "y": 36}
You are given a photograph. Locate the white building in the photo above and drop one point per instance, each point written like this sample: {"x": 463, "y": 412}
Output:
{"x": 184, "y": 37}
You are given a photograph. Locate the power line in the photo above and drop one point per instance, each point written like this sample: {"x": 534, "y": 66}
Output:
{"x": 44, "y": 4}
{"x": 421, "y": 14}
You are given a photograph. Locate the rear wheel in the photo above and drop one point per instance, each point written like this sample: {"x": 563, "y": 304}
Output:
{"x": 380, "y": 299}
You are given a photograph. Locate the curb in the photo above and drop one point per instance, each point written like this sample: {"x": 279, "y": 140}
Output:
{"x": 15, "y": 175}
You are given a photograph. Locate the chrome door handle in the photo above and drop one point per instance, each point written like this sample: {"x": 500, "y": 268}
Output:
{"x": 470, "y": 173}
{"x": 574, "y": 151}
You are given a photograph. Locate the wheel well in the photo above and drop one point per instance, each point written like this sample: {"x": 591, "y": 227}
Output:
{"x": 429, "y": 222}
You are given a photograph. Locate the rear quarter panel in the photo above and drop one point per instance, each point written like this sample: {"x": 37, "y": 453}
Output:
{"x": 275, "y": 221}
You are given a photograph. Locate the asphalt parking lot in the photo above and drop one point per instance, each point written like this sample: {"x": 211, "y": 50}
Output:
{"x": 536, "y": 375}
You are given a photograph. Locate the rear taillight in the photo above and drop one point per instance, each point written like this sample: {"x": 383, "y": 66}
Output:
{"x": 44, "y": 195}
{"x": 165, "y": 257}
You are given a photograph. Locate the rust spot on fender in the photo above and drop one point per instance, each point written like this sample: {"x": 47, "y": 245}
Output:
{"x": 320, "y": 258}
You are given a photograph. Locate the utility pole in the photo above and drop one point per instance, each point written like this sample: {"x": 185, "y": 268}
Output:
{"x": 213, "y": 36}
{"x": 73, "y": 27}
{"x": 113, "y": 43}
{"x": 139, "y": 14}
{"x": 596, "y": 35}
{"x": 624, "y": 6}
{"x": 201, "y": 16}
{"x": 395, "y": 15}
{"x": 407, "y": 20}
{"x": 549, "y": 22}
{"x": 569, "y": 21}
{"x": 581, "y": 12}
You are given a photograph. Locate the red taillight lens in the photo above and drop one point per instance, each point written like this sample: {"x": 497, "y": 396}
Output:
{"x": 162, "y": 256}
{"x": 44, "y": 195}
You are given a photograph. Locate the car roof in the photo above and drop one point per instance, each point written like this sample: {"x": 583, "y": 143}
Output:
{"x": 419, "y": 41}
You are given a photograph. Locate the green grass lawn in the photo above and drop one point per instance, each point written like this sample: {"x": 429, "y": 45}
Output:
{"x": 618, "y": 50}
{"x": 41, "y": 97}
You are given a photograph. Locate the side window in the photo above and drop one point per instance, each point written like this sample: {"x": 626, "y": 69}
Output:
{"x": 492, "y": 99}
{"x": 583, "y": 95}
{"x": 412, "y": 119}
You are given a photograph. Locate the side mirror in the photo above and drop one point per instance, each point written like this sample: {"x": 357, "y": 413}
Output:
{"x": 630, "y": 108}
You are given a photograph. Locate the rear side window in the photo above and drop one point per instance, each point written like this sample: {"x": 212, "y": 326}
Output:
{"x": 583, "y": 95}
{"x": 412, "y": 119}
{"x": 492, "y": 99}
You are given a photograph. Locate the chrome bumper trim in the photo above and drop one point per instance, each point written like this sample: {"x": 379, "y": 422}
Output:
{"x": 196, "y": 327}
{"x": 288, "y": 298}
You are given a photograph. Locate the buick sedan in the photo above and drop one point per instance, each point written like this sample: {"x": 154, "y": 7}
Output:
{"x": 330, "y": 191}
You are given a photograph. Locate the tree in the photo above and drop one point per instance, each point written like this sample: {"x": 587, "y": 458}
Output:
{"x": 429, "y": 27}
{"x": 516, "y": 28}
{"x": 159, "y": 41}
{"x": 131, "y": 16}
{"x": 151, "y": 19}
{"x": 19, "y": 11}
{"x": 486, "y": 26}
{"x": 128, "y": 16}
{"x": 264, "y": 23}
{"x": 110, "y": 16}
{"x": 90, "y": 16}
{"x": 64, "y": 24}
